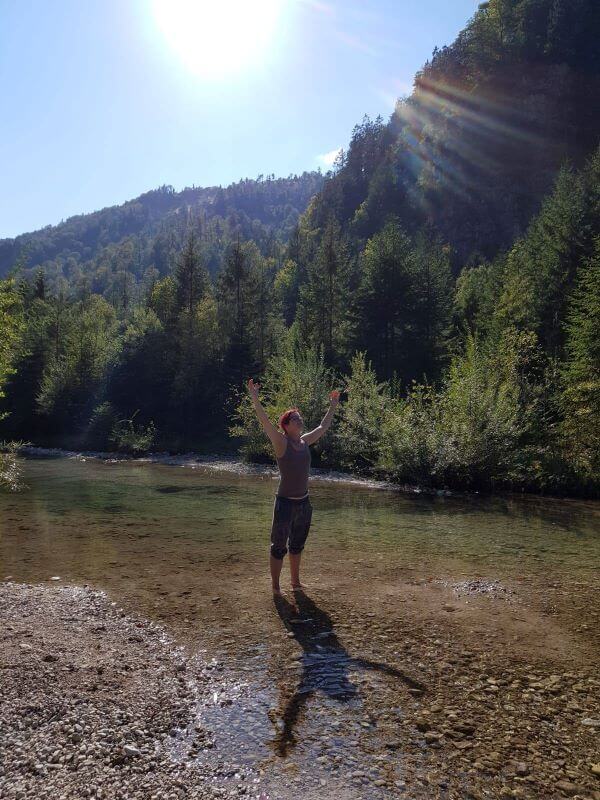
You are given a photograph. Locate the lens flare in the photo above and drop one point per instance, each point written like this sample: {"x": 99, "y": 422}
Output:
{"x": 217, "y": 39}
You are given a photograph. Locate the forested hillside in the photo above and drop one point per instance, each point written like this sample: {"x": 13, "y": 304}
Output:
{"x": 447, "y": 270}
{"x": 110, "y": 252}
{"x": 476, "y": 147}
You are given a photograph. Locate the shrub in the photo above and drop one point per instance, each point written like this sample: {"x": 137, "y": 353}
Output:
{"x": 11, "y": 476}
{"x": 103, "y": 420}
{"x": 129, "y": 438}
{"x": 469, "y": 434}
{"x": 356, "y": 432}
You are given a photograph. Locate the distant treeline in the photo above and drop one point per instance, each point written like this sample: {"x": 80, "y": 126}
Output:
{"x": 447, "y": 270}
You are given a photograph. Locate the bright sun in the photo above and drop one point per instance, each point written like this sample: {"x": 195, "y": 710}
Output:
{"x": 217, "y": 38}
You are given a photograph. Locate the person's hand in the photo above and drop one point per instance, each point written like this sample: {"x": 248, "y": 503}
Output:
{"x": 334, "y": 397}
{"x": 253, "y": 389}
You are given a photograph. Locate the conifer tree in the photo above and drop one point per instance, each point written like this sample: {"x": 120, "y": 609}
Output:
{"x": 384, "y": 298}
{"x": 323, "y": 309}
{"x": 190, "y": 275}
{"x": 581, "y": 371}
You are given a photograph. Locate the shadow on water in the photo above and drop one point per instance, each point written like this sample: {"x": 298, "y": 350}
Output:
{"x": 325, "y": 663}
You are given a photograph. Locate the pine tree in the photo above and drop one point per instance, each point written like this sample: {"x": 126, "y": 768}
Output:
{"x": 190, "y": 275}
{"x": 384, "y": 298}
{"x": 10, "y": 328}
{"x": 581, "y": 372}
{"x": 541, "y": 268}
{"x": 39, "y": 286}
{"x": 236, "y": 294}
{"x": 324, "y": 303}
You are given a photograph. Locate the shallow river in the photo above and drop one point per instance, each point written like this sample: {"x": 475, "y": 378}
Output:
{"x": 307, "y": 692}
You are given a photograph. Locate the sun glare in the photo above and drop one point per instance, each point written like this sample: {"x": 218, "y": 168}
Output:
{"x": 217, "y": 39}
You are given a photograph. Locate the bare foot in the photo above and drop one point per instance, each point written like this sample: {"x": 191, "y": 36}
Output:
{"x": 277, "y": 592}
{"x": 298, "y": 587}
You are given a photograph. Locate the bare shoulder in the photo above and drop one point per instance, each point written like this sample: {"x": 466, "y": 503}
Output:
{"x": 279, "y": 444}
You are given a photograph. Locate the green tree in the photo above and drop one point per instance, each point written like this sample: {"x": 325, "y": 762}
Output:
{"x": 540, "y": 269}
{"x": 11, "y": 324}
{"x": 190, "y": 276}
{"x": 384, "y": 299}
{"x": 429, "y": 315}
{"x": 236, "y": 295}
{"x": 72, "y": 382}
{"x": 355, "y": 440}
{"x": 325, "y": 297}
{"x": 581, "y": 373}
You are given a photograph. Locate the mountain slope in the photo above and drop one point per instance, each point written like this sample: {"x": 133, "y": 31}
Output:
{"x": 257, "y": 208}
{"x": 476, "y": 147}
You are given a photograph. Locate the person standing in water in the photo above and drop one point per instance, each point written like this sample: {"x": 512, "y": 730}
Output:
{"x": 292, "y": 509}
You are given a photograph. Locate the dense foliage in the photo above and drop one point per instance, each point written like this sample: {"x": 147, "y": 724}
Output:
{"x": 446, "y": 271}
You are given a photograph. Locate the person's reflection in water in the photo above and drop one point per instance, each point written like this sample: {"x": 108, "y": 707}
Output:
{"x": 325, "y": 663}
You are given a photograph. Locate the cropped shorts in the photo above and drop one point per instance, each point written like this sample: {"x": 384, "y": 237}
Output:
{"x": 291, "y": 523}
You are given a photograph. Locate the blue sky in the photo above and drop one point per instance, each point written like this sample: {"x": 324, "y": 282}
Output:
{"x": 99, "y": 105}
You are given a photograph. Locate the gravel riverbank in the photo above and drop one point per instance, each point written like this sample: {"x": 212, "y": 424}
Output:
{"x": 91, "y": 699}
{"x": 99, "y": 703}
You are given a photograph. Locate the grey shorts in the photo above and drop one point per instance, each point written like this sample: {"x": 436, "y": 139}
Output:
{"x": 291, "y": 523}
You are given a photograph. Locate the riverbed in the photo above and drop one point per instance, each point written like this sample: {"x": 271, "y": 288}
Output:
{"x": 444, "y": 646}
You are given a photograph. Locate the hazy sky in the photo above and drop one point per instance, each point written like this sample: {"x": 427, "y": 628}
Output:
{"x": 105, "y": 99}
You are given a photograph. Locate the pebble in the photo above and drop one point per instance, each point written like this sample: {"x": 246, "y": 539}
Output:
{"x": 472, "y": 732}
{"x": 568, "y": 788}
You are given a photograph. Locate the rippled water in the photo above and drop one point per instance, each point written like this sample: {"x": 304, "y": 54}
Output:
{"x": 291, "y": 683}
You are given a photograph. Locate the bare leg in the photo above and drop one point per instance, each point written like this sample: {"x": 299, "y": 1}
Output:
{"x": 276, "y": 565}
{"x": 295, "y": 570}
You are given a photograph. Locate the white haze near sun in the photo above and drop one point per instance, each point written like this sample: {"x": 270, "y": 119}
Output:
{"x": 218, "y": 39}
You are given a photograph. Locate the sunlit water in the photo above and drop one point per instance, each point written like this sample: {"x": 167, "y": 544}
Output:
{"x": 290, "y": 684}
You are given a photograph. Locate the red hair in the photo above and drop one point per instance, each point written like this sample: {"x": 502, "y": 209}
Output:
{"x": 285, "y": 417}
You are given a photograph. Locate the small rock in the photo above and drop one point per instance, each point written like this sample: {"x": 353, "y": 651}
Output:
{"x": 55, "y": 578}
{"x": 464, "y": 727}
{"x": 568, "y": 788}
{"x": 130, "y": 750}
{"x": 521, "y": 768}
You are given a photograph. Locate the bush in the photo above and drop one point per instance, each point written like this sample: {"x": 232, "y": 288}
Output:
{"x": 411, "y": 442}
{"x": 100, "y": 427}
{"x": 356, "y": 432}
{"x": 468, "y": 435}
{"x": 131, "y": 439}
{"x": 11, "y": 476}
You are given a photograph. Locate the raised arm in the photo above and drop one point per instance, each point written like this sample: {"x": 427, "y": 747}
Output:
{"x": 312, "y": 436}
{"x": 274, "y": 435}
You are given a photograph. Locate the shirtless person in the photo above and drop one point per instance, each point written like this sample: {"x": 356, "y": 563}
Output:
{"x": 292, "y": 510}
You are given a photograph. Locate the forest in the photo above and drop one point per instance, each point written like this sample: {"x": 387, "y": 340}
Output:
{"x": 445, "y": 273}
